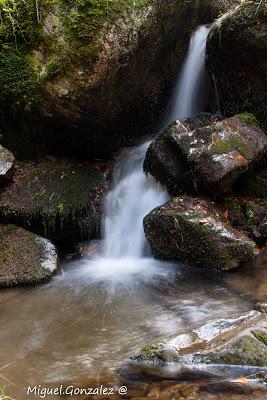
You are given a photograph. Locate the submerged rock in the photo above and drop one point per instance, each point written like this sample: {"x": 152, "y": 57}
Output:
{"x": 191, "y": 230}
{"x": 6, "y": 165}
{"x": 200, "y": 158}
{"x": 237, "y": 57}
{"x": 25, "y": 258}
{"x": 240, "y": 340}
{"x": 58, "y": 199}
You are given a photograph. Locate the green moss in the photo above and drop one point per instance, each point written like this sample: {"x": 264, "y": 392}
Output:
{"x": 151, "y": 347}
{"x": 248, "y": 118}
{"x": 261, "y": 336}
{"x": 230, "y": 143}
{"x": 10, "y": 228}
{"x": 245, "y": 351}
{"x": 73, "y": 35}
{"x": 16, "y": 75}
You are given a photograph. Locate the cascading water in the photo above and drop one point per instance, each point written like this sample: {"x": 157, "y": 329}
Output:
{"x": 188, "y": 92}
{"x": 133, "y": 194}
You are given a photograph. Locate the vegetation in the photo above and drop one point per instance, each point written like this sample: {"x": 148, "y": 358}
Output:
{"x": 4, "y": 383}
{"x": 59, "y": 31}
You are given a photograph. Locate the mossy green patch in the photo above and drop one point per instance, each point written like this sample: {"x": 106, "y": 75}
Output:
{"x": 60, "y": 30}
{"x": 248, "y": 118}
{"x": 229, "y": 143}
{"x": 16, "y": 75}
{"x": 245, "y": 351}
{"x": 261, "y": 336}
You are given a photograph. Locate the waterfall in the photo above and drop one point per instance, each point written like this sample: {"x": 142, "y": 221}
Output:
{"x": 188, "y": 92}
{"x": 133, "y": 195}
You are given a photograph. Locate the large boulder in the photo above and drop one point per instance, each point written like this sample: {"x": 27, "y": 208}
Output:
{"x": 238, "y": 340}
{"x": 237, "y": 57}
{"x": 57, "y": 199}
{"x": 191, "y": 230}
{"x": 25, "y": 258}
{"x": 194, "y": 157}
{"x": 91, "y": 73}
{"x": 6, "y": 165}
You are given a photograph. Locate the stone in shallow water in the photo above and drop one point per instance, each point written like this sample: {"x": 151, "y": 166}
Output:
{"x": 206, "y": 159}
{"x": 6, "y": 165}
{"x": 25, "y": 258}
{"x": 240, "y": 340}
{"x": 191, "y": 230}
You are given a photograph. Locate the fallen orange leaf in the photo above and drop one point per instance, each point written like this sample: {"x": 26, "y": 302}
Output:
{"x": 226, "y": 215}
{"x": 240, "y": 158}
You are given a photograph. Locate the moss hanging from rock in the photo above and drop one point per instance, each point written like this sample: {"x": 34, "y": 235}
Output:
{"x": 58, "y": 199}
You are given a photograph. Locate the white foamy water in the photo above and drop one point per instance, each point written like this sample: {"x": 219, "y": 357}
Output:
{"x": 188, "y": 92}
{"x": 132, "y": 196}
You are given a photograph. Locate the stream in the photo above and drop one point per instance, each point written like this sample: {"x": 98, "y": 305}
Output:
{"x": 81, "y": 328}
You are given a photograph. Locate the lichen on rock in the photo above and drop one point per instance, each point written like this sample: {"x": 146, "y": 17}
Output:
{"x": 25, "y": 258}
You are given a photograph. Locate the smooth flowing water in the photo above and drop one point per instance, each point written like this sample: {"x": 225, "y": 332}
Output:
{"x": 82, "y": 327}
{"x": 189, "y": 92}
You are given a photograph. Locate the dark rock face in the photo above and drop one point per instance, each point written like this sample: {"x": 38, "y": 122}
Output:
{"x": 205, "y": 159}
{"x": 249, "y": 215}
{"x": 58, "y": 199}
{"x": 6, "y": 165}
{"x": 191, "y": 230}
{"x": 237, "y": 56}
{"x": 116, "y": 83}
{"x": 25, "y": 258}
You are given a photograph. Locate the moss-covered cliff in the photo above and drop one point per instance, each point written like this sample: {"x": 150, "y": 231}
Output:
{"x": 89, "y": 72}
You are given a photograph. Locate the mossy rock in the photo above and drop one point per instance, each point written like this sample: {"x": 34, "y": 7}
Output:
{"x": 191, "y": 230}
{"x": 206, "y": 158}
{"x": 58, "y": 199}
{"x": 25, "y": 258}
{"x": 246, "y": 350}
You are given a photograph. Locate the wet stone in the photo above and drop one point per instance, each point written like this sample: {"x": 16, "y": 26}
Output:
{"x": 7, "y": 160}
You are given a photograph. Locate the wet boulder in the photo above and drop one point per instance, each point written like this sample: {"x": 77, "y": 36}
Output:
{"x": 237, "y": 340}
{"x": 191, "y": 230}
{"x": 163, "y": 159}
{"x": 206, "y": 159}
{"x": 249, "y": 215}
{"x": 25, "y": 258}
{"x": 237, "y": 57}
{"x": 57, "y": 199}
{"x": 6, "y": 165}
